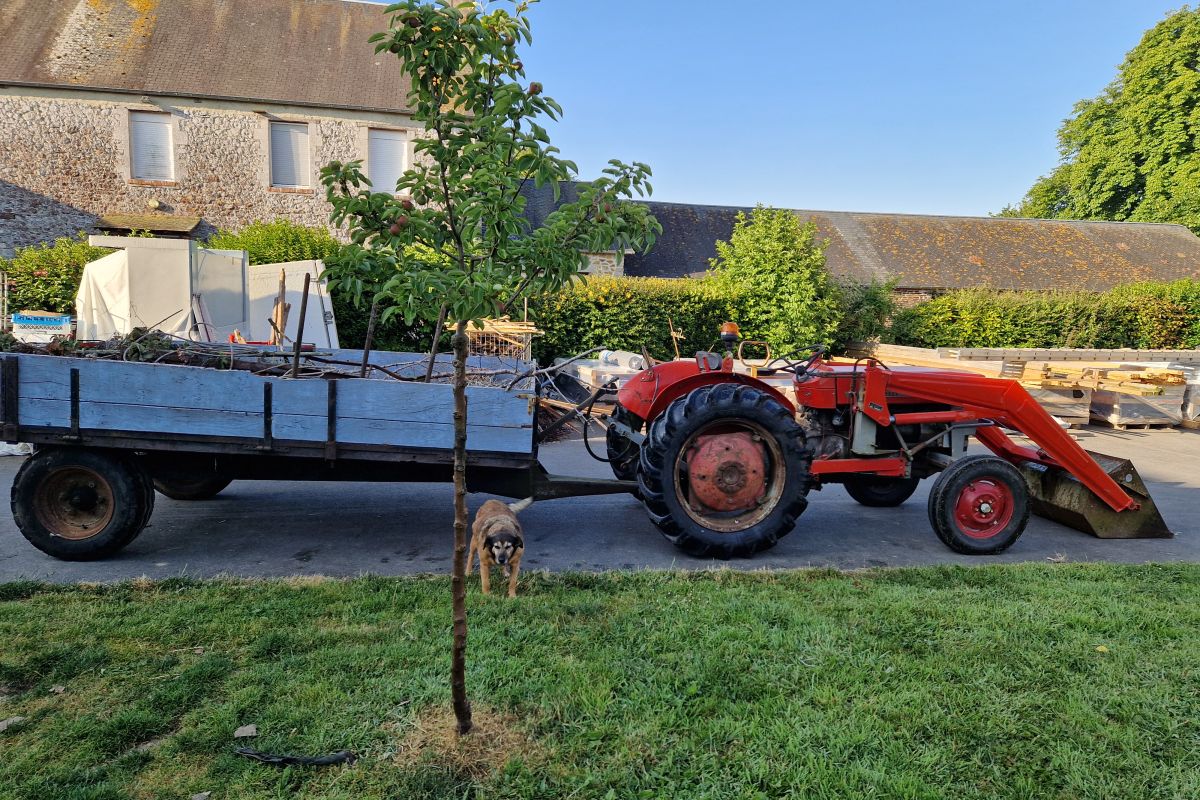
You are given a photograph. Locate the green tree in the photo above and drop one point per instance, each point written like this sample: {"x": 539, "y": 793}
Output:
{"x": 1133, "y": 152}
{"x": 451, "y": 236}
{"x": 775, "y": 264}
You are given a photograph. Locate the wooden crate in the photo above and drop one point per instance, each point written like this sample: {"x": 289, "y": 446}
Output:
{"x": 1123, "y": 410}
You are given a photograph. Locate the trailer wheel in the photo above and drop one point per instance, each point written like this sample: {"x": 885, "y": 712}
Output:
{"x": 147, "y": 493}
{"x": 622, "y": 453}
{"x": 80, "y": 505}
{"x": 193, "y": 487}
{"x": 724, "y": 471}
{"x": 979, "y": 505}
{"x": 879, "y": 492}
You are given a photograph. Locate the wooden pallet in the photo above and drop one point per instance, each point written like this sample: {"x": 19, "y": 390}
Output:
{"x": 1123, "y": 411}
{"x": 1136, "y": 426}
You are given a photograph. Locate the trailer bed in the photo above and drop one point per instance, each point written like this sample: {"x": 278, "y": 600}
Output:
{"x": 60, "y": 400}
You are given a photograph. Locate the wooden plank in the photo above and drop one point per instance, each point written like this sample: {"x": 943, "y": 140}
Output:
{"x": 353, "y": 431}
{"x": 10, "y": 384}
{"x": 136, "y": 383}
{"x": 401, "y": 401}
{"x": 246, "y": 425}
{"x": 161, "y": 385}
{"x": 922, "y": 357}
{"x": 1066, "y": 354}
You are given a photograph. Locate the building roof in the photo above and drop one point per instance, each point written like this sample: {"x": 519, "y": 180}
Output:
{"x": 158, "y": 224}
{"x": 936, "y": 252}
{"x": 295, "y": 52}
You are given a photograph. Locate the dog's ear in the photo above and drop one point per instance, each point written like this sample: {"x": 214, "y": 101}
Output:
{"x": 520, "y": 541}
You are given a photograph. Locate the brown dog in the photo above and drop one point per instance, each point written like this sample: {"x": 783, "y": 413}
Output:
{"x": 497, "y": 539}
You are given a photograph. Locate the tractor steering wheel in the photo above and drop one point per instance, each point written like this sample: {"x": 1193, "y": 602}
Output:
{"x": 818, "y": 350}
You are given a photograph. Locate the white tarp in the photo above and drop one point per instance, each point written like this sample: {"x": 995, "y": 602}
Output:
{"x": 320, "y": 327}
{"x": 105, "y": 305}
{"x": 205, "y": 295}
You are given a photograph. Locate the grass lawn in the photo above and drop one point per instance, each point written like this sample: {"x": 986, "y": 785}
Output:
{"x": 1054, "y": 681}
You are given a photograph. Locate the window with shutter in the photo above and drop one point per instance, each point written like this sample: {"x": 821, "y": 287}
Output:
{"x": 150, "y": 146}
{"x": 387, "y": 158}
{"x": 289, "y": 154}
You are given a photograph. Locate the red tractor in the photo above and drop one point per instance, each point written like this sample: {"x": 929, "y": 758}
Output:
{"x": 725, "y": 460}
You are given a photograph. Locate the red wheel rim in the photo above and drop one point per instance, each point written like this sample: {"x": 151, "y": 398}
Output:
{"x": 984, "y": 508}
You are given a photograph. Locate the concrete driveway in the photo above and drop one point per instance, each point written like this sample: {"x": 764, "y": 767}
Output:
{"x": 275, "y": 529}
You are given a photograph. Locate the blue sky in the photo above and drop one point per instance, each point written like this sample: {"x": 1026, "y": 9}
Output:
{"x": 924, "y": 106}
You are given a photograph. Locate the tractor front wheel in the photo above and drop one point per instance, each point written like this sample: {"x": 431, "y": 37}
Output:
{"x": 724, "y": 471}
{"x": 979, "y": 505}
{"x": 879, "y": 492}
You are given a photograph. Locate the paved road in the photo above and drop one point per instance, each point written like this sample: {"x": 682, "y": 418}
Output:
{"x": 274, "y": 529}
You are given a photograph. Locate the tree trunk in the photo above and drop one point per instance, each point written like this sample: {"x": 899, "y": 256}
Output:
{"x": 458, "y": 581}
{"x": 433, "y": 348}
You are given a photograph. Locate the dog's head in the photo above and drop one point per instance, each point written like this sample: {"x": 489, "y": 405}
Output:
{"x": 503, "y": 545}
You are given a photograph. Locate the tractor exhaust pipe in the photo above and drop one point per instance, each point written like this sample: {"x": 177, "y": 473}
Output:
{"x": 1056, "y": 494}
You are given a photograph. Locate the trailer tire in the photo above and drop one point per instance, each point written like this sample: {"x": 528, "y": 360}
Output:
{"x": 879, "y": 492}
{"x": 675, "y": 437}
{"x": 80, "y": 505}
{"x": 622, "y": 453}
{"x": 979, "y": 505}
{"x": 147, "y": 494}
{"x": 202, "y": 487}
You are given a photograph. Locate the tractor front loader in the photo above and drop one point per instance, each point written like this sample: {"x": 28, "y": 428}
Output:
{"x": 724, "y": 460}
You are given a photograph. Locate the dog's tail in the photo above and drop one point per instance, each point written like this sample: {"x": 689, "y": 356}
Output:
{"x": 520, "y": 505}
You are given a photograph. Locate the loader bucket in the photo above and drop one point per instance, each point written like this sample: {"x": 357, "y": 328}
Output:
{"x": 1056, "y": 494}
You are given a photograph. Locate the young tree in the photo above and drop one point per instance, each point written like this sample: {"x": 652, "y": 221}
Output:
{"x": 1133, "y": 153}
{"x": 451, "y": 234}
{"x": 776, "y": 264}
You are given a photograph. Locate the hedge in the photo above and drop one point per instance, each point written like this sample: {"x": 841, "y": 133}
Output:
{"x": 629, "y": 313}
{"x": 1183, "y": 294}
{"x": 1138, "y": 315}
{"x": 46, "y": 277}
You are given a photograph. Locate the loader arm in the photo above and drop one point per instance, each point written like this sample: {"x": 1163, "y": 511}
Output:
{"x": 1007, "y": 403}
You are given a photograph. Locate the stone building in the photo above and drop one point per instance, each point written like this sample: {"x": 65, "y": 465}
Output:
{"x": 188, "y": 115}
{"x": 923, "y": 254}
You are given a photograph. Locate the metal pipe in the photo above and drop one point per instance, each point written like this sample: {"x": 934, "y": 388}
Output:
{"x": 300, "y": 327}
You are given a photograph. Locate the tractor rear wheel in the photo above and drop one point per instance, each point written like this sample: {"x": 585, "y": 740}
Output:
{"x": 879, "y": 492}
{"x": 623, "y": 453}
{"x": 78, "y": 504}
{"x": 979, "y": 505}
{"x": 724, "y": 471}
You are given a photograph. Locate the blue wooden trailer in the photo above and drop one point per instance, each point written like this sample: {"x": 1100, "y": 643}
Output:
{"x": 108, "y": 433}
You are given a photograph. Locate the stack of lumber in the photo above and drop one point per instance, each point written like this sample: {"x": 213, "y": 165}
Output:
{"x": 1118, "y": 387}
{"x": 503, "y": 337}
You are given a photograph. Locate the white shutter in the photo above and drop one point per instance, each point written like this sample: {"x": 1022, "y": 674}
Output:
{"x": 150, "y": 146}
{"x": 289, "y": 154}
{"x": 387, "y": 158}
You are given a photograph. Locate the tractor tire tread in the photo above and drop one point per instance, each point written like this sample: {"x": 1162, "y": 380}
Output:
{"x": 676, "y": 421}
